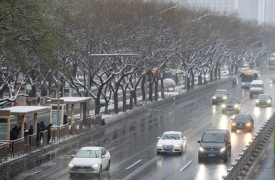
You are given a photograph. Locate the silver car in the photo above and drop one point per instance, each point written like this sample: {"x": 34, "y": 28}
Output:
{"x": 90, "y": 160}
{"x": 171, "y": 142}
{"x": 264, "y": 100}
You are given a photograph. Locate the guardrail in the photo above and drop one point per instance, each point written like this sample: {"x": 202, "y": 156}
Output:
{"x": 248, "y": 154}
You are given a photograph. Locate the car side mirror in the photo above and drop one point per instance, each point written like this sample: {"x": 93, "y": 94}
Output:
{"x": 72, "y": 156}
{"x": 184, "y": 138}
{"x": 158, "y": 137}
{"x": 199, "y": 141}
{"x": 103, "y": 156}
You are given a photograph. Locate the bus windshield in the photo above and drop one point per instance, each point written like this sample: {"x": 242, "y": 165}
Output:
{"x": 248, "y": 78}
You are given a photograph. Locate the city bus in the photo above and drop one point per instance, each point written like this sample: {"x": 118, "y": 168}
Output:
{"x": 248, "y": 76}
{"x": 271, "y": 63}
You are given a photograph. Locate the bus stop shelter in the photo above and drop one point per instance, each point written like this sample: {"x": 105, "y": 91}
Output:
{"x": 71, "y": 101}
{"x": 21, "y": 113}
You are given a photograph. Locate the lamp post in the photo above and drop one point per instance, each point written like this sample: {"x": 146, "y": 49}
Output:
{"x": 89, "y": 70}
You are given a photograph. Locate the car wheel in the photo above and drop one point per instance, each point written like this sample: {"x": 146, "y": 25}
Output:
{"x": 99, "y": 174}
{"x": 72, "y": 175}
{"x": 108, "y": 166}
{"x": 158, "y": 153}
{"x": 225, "y": 158}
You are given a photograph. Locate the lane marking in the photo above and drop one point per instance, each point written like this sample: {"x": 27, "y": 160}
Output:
{"x": 187, "y": 130}
{"x": 134, "y": 164}
{"x": 129, "y": 140}
{"x": 256, "y": 169}
{"x": 111, "y": 149}
{"x": 184, "y": 167}
{"x": 263, "y": 156}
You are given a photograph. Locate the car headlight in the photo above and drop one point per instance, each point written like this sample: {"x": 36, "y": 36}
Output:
{"x": 159, "y": 145}
{"x": 225, "y": 97}
{"x": 257, "y": 101}
{"x": 71, "y": 165}
{"x": 268, "y": 101}
{"x": 95, "y": 165}
{"x": 177, "y": 145}
{"x": 214, "y": 97}
{"x": 201, "y": 149}
{"x": 222, "y": 150}
{"x": 248, "y": 124}
{"x": 223, "y": 105}
{"x": 236, "y": 106}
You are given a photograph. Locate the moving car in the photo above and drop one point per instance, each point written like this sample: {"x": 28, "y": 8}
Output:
{"x": 272, "y": 80}
{"x": 264, "y": 100}
{"x": 231, "y": 104}
{"x": 90, "y": 160}
{"x": 256, "y": 87}
{"x": 242, "y": 122}
{"x": 215, "y": 144}
{"x": 171, "y": 142}
{"x": 220, "y": 95}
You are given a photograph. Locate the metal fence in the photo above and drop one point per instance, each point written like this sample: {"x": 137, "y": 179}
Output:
{"x": 246, "y": 157}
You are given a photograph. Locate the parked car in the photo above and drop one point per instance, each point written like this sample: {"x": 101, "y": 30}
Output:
{"x": 215, "y": 144}
{"x": 242, "y": 122}
{"x": 264, "y": 100}
{"x": 171, "y": 142}
{"x": 231, "y": 104}
{"x": 220, "y": 95}
{"x": 90, "y": 160}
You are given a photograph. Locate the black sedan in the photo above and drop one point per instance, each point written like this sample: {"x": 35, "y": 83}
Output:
{"x": 220, "y": 95}
{"x": 242, "y": 122}
{"x": 264, "y": 100}
{"x": 231, "y": 104}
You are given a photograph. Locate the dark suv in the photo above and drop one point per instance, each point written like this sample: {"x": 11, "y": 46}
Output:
{"x": 215, "y": 144}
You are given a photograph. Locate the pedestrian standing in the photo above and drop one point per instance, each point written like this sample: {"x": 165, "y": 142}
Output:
{"x": 48, "y": 128}
{"x": 38, "y": 95}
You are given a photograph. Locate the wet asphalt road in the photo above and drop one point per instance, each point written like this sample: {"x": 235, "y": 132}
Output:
{"x": 132, "y": 142}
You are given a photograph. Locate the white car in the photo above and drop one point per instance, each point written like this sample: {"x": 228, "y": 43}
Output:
{"x": 171, "y": 142}
{"x": 90, "y": 160}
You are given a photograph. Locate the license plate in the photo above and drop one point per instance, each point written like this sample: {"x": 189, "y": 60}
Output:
{"x": 82, "y": 170}
{"x": 211, "y": 155}
{"x": 240, "y": 126}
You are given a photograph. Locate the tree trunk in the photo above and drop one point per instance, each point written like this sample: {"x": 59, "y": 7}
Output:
{"x": 162, "y": 87}
{"x": 124, "y": 107}
{"x": 115, "y": 102}
{"x": 143, "y": 88}
{"x": 151, "y": 91}
{"x": 156, "y": 90}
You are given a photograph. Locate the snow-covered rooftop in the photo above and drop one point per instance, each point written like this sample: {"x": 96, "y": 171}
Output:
{"x": 22, "y": 110}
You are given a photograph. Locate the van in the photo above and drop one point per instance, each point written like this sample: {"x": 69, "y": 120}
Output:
{"x": 256, "y": 87}
{"x": 214, "y": 144}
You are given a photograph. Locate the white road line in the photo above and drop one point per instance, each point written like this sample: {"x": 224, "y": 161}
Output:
{"x": 186, "y": 166}
{"x": 134, "y": 164}
{"x": 187, "y": 131}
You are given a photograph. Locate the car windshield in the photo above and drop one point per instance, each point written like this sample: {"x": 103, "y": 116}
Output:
{"x": 87, "y": 154}
{"x": 170, "y": 137}
{"x": 213, "y": 138}
{"x": 231, "y": 101}
{"x": 263, "y": 96}
{"x": 256, "y": 85}
{"x": 242, "y": 118}
{"x": 220, "y": 92}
